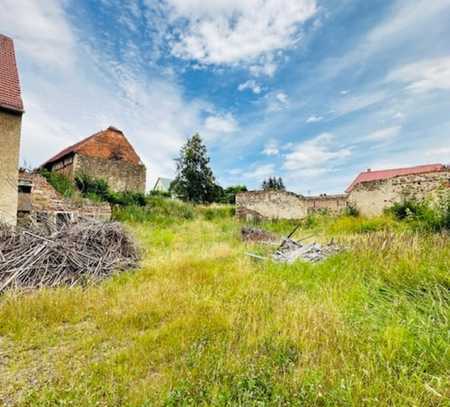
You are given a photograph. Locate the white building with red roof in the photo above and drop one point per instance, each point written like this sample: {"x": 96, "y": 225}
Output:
{"x": 11, "y": 110}
{"x": 373, "y": 191}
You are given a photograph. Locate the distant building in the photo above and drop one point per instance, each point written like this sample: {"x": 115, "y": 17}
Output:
{"x": 11, "y": 110}
{"x": 373, "y": 191}
{"x": 162, "y": 185}
{"x": 105, "y": 155}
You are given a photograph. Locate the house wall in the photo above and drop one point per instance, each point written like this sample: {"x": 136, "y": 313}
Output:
{"x": 10, "y": 127}
{"x": 45, "y": 200}
{"x": 371, "y": 198}
{"x": 120, "y": 174}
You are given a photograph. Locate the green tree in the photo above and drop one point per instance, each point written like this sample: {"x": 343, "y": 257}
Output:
{"x": 229, "y": 194}
{"x": 195, "y": 181}
{"x": 273, "y": 184}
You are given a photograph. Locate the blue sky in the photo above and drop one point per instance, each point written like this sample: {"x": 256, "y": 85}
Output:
{"x": 314, "y": 91}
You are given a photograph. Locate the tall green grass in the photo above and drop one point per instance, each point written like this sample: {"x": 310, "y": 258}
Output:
{"x": 202, "y": 324}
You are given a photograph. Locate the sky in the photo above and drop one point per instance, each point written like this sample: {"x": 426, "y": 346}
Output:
{"x": 314, "y": 91}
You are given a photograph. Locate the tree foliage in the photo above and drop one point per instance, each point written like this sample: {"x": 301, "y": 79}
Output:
{"x": 195, "y": 181}
{"x": 273, "y": 184}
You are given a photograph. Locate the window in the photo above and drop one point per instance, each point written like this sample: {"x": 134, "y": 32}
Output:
{"x": 25, "y": 189}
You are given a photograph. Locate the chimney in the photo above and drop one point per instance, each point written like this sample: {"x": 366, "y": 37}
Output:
{"x": 368, "y": 170}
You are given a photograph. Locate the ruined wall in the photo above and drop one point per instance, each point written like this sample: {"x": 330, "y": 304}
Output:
{"x": 10, "y": 126}
{"x": 45, "y": 201}
{"x": 333, "y": 204}
{"x": 120, "y": 175}
{"x": 270, "y": 205}
{"x": 371, "y": 198}
{"x": 286, "y": 205}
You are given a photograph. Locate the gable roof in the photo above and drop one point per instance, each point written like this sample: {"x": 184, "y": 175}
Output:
{"x": 10, "y": 98}
{"x": 102, "y": 144}
{"x": 369, "y": 176}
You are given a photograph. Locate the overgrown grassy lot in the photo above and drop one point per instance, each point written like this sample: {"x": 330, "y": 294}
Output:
{"x": 200, "y": 323}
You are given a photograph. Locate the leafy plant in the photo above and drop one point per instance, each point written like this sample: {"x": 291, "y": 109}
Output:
{"x": 60, "y": 182}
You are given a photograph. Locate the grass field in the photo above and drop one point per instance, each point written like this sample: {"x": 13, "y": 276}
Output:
{"x": 200, "y": 323}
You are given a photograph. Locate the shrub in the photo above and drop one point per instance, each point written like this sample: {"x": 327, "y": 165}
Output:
{"x": 408, "y": 209}
{"x": 60, "y": 182}
{"x": 351, "y": 210}
{"x": 425, "y": 215}
{"x": 92, "y": 187}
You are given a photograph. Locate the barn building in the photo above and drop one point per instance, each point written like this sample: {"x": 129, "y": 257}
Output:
{"x": 373, "y": 191}
{"x": 105, "y": 155}
{"x": 11, "y": 110}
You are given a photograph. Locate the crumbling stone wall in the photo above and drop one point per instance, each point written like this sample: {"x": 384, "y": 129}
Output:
{"x": 44, "y": 201}
{"x": 333, "y": 204}
{"x": 270, "y": 205}
{"x": 371, "y": 198}
{"x": 10, "y": 126}
{"x": 120, "y": 174}
{"x": 285, "y": 205}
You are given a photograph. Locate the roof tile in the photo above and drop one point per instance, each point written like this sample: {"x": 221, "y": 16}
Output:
{"x": 10, "y": 97}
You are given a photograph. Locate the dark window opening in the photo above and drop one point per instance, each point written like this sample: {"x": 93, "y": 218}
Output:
{"x": 25, "y": 189}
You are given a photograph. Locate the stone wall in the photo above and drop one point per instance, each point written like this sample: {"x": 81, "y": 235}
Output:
{"x": 270, "y": 205}
{"x": 371, "y": 198}
{"x": 285, "y": 205}
{"x": 120, "y": 175}
{"x": 45, "y": 202}
{"x": 333, "y": 204}
{"x": 10, "y": 126}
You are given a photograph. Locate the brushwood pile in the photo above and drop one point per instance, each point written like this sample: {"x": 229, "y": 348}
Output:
{"x": 76, "y": 253}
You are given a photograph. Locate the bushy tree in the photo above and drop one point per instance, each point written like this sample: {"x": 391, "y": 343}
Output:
{"x": 229, "y": 194}
{"x": 195, "y": 181}
{"x": 273, "y": 184}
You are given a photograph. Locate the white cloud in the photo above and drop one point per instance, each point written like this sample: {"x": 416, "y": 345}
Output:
{"x": 236, "y": 31}
{"x": 361, "y": 101}
{"x": 260, "y": 172}
{"x": 252, "y": 85}
{"x": 424, "y": 76}
{"x": 221, "y": 124}
{"x": 399, "y": 116}
{"x": 404, "y": 24}
{"x": 344, "y": 92}
{"x": 271, "y": 148}
{"x": 316, "y": 156}
{"x": 387, "y": 134}
{"x": 314, "y": 119}
{"x": 65, "y": 104}
{"x": 276, "y": 101}
{"x": 40, "y": 31}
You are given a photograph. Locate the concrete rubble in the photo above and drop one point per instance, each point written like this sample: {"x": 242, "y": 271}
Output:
{"x": 291, "y": 251}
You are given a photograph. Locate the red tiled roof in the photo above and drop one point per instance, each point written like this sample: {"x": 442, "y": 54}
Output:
{"x": 9, "y": 78}
{"x": 368, "y": 176}
{"x": 101, "y": 145}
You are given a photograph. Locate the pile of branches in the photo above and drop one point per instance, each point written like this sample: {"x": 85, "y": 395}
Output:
{"x": 75, "y": 254}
